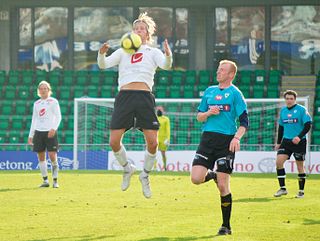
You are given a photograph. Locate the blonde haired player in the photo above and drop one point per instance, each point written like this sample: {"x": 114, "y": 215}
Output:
{"x": 134, "y": 106}
{"x": 46, "y": 118}
{"x": 163, "y": 135}
{"x": 219, "y": 108}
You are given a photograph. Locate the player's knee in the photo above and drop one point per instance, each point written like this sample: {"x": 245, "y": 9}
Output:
{"x": 279, "y": 164}
{"x": 115, "y": 145}
{"x": 223, "y": 187}
{"x": 53, "y": 156}
{"x": 196, "y": 180}
{"x": 41, "y": 156}
{"x": 153, "y": 145}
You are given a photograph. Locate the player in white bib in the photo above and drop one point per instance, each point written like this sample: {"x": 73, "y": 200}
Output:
{"x": 46, "y": 118}
{"x": 134, "y": 106}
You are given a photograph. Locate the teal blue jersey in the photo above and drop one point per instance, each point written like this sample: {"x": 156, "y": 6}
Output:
{"x": 293, "y": 120}
{"x": 231, "y": 104}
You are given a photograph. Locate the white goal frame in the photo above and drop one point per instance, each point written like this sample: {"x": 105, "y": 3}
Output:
{"x": 304, "y": 100}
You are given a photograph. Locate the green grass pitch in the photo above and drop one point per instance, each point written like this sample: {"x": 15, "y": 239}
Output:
{"x": 89, "y": 205}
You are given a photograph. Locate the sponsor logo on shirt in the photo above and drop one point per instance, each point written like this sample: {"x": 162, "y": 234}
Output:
{"x": 136, "y": 58}
{"x": 218, "y": 97}
{"x": 42, "y": 111}
{"x": 225, "y": 107}
{"x": 290, "y": 121}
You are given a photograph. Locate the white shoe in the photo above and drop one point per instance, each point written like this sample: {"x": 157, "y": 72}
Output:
{"x": 127, "y": 174}
{"x": 45, "y": 184}
{"x": 300, "y": 194}
{"x": 55, "y": 185}
{"x": 144, "y": 179}
{"x": 280, "y": 192}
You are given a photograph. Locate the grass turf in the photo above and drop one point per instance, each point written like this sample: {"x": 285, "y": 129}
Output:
{"x": 89, "y": 205}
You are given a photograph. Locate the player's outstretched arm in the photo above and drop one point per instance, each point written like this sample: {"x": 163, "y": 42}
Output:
{"x": 167, "y": 49}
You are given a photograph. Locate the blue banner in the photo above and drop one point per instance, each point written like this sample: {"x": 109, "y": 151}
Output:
{"x": 27, "y": 160}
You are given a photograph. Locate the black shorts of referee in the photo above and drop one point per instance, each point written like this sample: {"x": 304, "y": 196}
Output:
{"x": 134, "y": 109}
{"x": 214, "y": 147}
{"x": 41, "y": 142}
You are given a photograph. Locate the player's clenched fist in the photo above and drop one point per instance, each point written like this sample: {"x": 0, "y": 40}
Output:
{"x": 104, "y": 48}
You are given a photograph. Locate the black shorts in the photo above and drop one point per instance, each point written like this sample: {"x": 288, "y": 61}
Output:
{"x": 134, "y": 108}
{"x": 287, "y": 147}
{"x": 214, "y": 147}
{"x": 42, "y": 142}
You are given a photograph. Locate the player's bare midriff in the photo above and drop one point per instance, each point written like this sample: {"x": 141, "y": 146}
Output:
{"x": 135, "y": 86}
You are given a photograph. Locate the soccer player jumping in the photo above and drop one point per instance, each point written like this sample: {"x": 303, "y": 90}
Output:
{"x": 294, "y": 124}
{"x": 135, "y": 104}
{"x": 219, "y": 108}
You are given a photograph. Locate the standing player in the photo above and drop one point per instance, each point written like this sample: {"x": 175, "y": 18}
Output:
{"x": 135, "y": 104}
{"x": 219, "y": 108}
{"x": 294, "y": 124}
{"x": 46, "y": 118}
{"x": 164, "y": 134}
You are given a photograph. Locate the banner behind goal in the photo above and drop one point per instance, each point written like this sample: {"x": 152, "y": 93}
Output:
{"x": 93, "y": 116}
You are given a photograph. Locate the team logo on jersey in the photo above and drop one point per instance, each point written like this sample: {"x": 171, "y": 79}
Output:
{"x": 136, "y": 58}
{"x": 42, "y": 111}
{"x": 295, "y": 111}
{"x": 218, "y": 97}
{"x": 226, "y": 95}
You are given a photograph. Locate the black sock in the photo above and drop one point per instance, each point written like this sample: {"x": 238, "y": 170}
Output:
{"x": 210, "y": 175}
{"x": 281, "y": 173}
{"x": 45, "y": 178}
{"x": 226, "y": 204}
{"x": 55, "y": 179}
{"x": 302, "y": 180}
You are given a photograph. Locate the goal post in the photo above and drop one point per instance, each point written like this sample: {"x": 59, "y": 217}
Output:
{"x": 92, "y": 117}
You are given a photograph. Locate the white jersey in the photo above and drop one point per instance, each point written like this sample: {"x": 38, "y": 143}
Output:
{"x": 46, "y": 115}
{"x": 139, "y": 67}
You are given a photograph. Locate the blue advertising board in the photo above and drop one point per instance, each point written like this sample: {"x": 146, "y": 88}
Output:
{"x": 27, "y": 160}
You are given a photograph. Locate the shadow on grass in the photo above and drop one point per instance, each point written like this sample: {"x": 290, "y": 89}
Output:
{"x": 15, "y": 189}
{"x": 258, "y": 199}
{"x": 78, "y": 238}
{"x": 311, "y": 222}
{"x": 179, "y": 239}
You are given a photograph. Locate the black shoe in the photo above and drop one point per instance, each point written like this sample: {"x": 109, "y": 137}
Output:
{"x": 211, "y": 175}
{"x": 224, "y": 231}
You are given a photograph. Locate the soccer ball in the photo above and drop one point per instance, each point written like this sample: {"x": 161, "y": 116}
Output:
{"x": 130, "y": 42}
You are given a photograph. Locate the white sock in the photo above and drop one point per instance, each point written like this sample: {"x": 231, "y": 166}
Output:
{"x": 43, "y": 168}
{"x": 121, "y": 157}
{"x": 149, "y": 160}
{"x": 54, "y": 169}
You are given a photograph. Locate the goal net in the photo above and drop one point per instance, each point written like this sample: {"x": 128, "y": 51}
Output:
{"x": 93, "y": 116}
